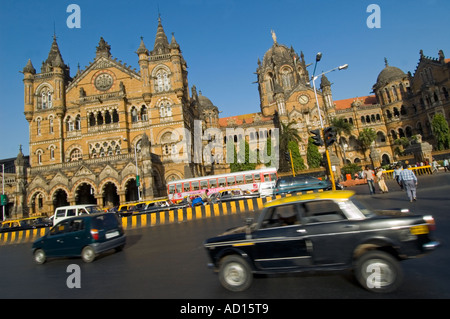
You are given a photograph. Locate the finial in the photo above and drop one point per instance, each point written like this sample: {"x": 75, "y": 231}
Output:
{"x": 274, "y": 36}
{"x": 386, "y": 62}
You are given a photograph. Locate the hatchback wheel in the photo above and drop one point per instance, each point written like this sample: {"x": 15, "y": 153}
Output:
{"x": 88, "y": 254}
{"x": 235, "y": 273}
{"x": 378, "y": 271}
{"x": 39, "y": 256}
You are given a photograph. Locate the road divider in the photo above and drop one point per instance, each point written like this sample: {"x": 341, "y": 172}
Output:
{"x": 159, "y": 218}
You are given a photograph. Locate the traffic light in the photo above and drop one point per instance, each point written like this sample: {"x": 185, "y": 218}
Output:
{"x": 287, "y": 157}
{"x": 317, "y": 139}
{"x": 329, "y": 135}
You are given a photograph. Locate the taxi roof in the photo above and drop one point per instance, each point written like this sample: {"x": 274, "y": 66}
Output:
{"x": 339, "y": 194}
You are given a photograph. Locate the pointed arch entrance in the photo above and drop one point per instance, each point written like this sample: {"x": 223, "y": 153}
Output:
{"x": 60, "y": 198}
{"x": 110, "y": 196}
{"x": 84, "y": 194}
{"x": 131, "y": 190}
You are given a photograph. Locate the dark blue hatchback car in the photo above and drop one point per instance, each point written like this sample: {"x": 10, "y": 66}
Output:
{"x": 85, "y": 235}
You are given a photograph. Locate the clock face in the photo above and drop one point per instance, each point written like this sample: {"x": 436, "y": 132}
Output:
{"x": 303, "y": 99}
{"x": 103, "y": 82}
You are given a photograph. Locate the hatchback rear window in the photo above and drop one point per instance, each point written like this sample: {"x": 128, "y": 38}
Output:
{"x": 106, "y": 222}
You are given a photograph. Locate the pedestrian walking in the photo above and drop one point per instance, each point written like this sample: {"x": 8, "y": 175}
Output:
{"x": 434, "y": 166}
{"x": 381, "y": 181}
{"x": 396, "y": 175}
{"x": 409, "y": 182}
{"x": 369, "y": 175}
{"x": 445, "y": 164}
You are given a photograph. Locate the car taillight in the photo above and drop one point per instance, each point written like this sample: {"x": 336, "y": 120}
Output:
{"x": 430, "y": 222}
{"x": 94, "y": 233}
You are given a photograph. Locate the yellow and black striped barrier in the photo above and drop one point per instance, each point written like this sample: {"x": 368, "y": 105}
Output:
{"x": 159, "y": 218}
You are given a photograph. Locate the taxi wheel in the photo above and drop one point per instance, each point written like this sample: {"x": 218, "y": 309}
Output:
{"x": 235, "y": 273}
{"x": 379, "y": 272}
{"x": 88, "y": 254}
{"x": 39, "y": 256}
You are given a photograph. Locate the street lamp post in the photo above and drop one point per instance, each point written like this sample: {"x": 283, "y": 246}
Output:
{"x": 314, "y": 78}
{"x": 137, "y": 171}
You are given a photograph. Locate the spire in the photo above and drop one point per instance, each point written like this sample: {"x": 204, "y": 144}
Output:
{"x": 103, "y": 49}
{"x": 29, "y": 68}
{"x": 161, "y": 43}
{"x": 142, "y": 49}
{"x": 173, "y": 42}
{"x": 54, "y": 55}
{"x": 386, "y": 64}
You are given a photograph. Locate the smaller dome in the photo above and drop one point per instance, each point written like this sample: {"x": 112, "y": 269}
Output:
{"x": 389, "y": 73}
{"x": 205, "y": 103}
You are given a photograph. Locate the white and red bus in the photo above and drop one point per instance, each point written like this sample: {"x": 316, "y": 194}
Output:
{"x": 261, "y": 180}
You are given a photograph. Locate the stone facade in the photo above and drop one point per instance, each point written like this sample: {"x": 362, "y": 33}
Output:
{"x": 92, "y": 134}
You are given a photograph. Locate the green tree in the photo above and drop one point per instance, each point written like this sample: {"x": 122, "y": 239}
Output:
{"x": 236, "y": 165}
{"x": 288, "y": 134}
{"x": 313, "y": 156}
{"x": 299, "y": 163}
{"x": 441, "y": 133}
{"x": 342, "y": 127}
{"x": 366, "y": 138}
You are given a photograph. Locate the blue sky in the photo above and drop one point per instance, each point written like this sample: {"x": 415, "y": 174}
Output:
{"x": 221, "y": 40}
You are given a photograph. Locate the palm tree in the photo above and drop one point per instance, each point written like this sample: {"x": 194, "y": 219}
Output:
{"x": 288, "y": 133}
{"x": 366, "y": 138}
{"x": 342, "y": 127}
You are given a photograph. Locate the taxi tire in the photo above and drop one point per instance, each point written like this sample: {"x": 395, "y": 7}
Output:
{"x": 88, "y": 254}
{"x": 39, "y": 256}
{"x": 235, "y": 273}
{"x": 379, "y": 264}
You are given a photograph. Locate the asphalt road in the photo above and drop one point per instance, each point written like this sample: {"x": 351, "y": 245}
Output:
{"x": 169, "y": 262}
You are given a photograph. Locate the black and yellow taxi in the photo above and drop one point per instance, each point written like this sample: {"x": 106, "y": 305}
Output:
{"x": 329, "y": 230}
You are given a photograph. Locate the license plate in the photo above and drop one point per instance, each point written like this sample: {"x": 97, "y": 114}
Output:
{"x": 112, "y": 234}
{"x": 419, "y": 230}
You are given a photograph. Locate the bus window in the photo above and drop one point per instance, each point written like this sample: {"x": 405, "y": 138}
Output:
{"x": 195, "y": 186}
{"x": 273, "y": 176}
{"x": 257, "y": 178}
{"x": 178, "y": 188}
{"x": 212, "y": 183}
{"x": 222, "y": 182}
{"x": 249, "y": 179}
{"x": 187, "y": 187}
{"x": 230, "y": 181}
{"x": 240, "y": 179}
{"x": 204, "y": 184}
{"x": 171, "y": 189}
{"x": 266, "y": 178}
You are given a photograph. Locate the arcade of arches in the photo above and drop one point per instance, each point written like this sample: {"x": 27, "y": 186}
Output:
{"x": 109, "y": 195}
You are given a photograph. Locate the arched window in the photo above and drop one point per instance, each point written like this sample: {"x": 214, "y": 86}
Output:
{"x": 52, "y": 152}
{"x": 107, "y": 117}
{"x": 38, "y": 126}
{"x": 45, "y": 99}
{"x": 115, "y": 116}
{"x": 91, "y": 119}
{"x": 165, "y": 109}
{"x": 162, "y": 81}
{"x": 70, "y": 126}
{"x": 144, "y": 116}
{"x": 50, "y": 124}
{"x": 134, "y": 115}
{"x": 286, "y": 78}
{"x": 76, "y": 155}
{"x": 39, "y": 157}
{"x": 78, "y": 123}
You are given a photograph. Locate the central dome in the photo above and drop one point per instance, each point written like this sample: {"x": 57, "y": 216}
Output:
{"x": 278, "y": 54}
{"x": 390, "y": 73}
